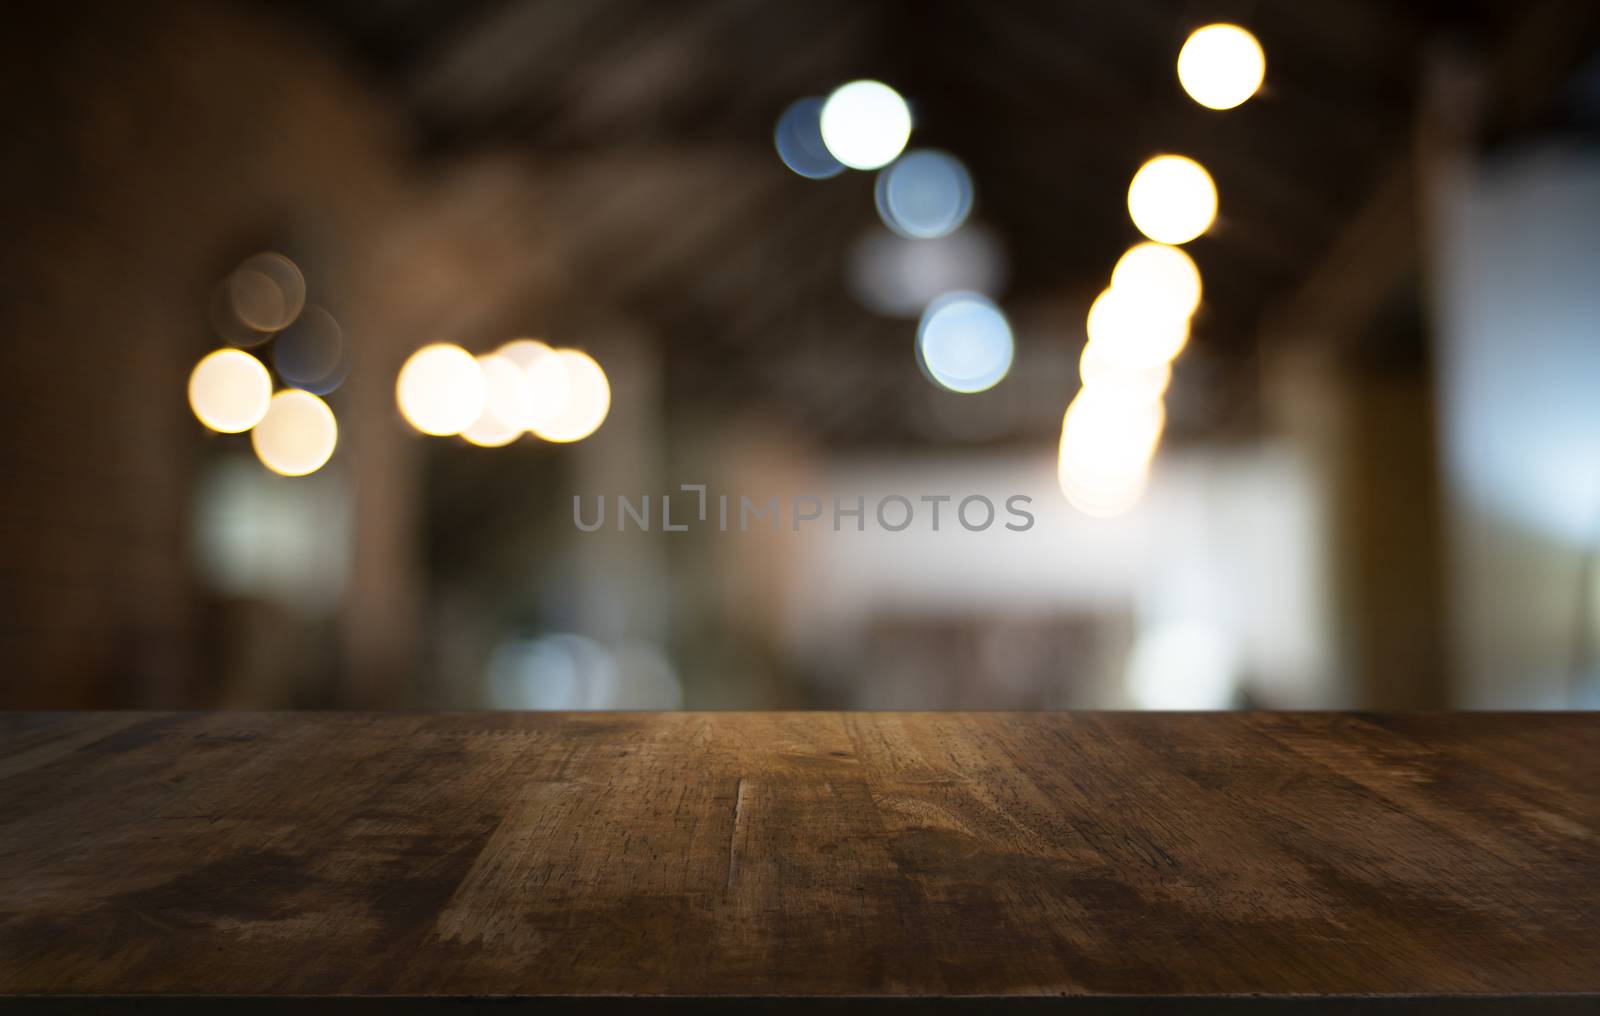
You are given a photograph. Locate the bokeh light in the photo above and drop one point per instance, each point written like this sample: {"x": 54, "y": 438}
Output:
{"x": 524, "y": 352}
{"x": 1103, "y": 497}
{"x": 298, "y": 434}
{"x": 550, "y": 388}
{"x": 229, "y": 390}
{"x": 1160, "y": 274}
{"x": 267, "y": 292}
{"x": 798, "y": 138}
{"x": 1134, "y": 333}
{"x": 964, "y": 343}
{"x": 488, "y": 432}
{"x": 225, "y": 321}
{"x": 1107, "y": 441}
{"x": 865, "y": 124}
{"x": 1172, "y": 199}
{"x": 1221, "y": 66}
{"x": 1104, "y": 435}
{"x": 546, "y": 376}
{"x": 586, "y": 397}
{"x": 924, "y": 194}
{"x": 441, "y": 389}
{"x": 310, "y": 353}
{"x": 1107, "y": 373}
{"x": 507, "y": 406}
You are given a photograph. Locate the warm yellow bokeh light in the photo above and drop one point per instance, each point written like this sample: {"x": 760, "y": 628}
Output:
{"x": 524, "y": 352}
{"x": 1107, "y": 441}
{"x": 1106, "y": 498}
{"x": 508, "y": 397}
{"x": 1221, "y": 66}
{"x": 441, "y": 389}
{"x": 1172, "y": 199}
{"x": 298, "y": 434}
{"x": 1158, "y": 273}
{"x": 1133, "y": 333}
{"x": 507, "y": 407}
{"x": 585, "y": 401}
{"x": 488, "y": 432}
{"x": 1107, "y": 373}
{"x": 547, "y": 380}
{"x": 1105, "y": 435}
{"x": 229, "y": 391}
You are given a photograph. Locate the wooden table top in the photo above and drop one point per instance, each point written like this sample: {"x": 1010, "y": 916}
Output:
{"x": 903, "y": 855}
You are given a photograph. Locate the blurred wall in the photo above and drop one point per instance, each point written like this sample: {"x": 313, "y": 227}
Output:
{"x": 1222, "y": 550}
{"x": 1517, "y": 255}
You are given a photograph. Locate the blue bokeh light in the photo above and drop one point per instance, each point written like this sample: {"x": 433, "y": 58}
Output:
{"x": 798, "y": 138}
{"x": 964, "y": 343}
{"x": 924, "y": 194}
{"x": 310, "y": 354}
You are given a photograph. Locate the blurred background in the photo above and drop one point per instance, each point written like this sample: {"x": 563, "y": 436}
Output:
{"x": 1335, "y": 443}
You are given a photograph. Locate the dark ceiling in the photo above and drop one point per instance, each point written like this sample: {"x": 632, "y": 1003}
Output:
{"x": 656, "y": 120}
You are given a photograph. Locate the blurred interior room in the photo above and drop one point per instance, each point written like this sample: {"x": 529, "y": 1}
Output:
{"x": 328, "y": 328}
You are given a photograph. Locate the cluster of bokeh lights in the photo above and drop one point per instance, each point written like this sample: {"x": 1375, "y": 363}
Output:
{"x": 1140, "y": 322}
{"x": 963, "y": 343}
{"x": 263, "y": 300}
{"x": 1136, "y": 327}
{"x": 524, "y": 387}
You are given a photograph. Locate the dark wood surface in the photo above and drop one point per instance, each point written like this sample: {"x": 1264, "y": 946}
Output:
{"x": 1081, "y": 856}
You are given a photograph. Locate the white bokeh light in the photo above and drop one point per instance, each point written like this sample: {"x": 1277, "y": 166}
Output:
{"x": 441, "y": 389}
{"x": 1221, "y": 66}
{"x": 865, "y": 124}
{"x": 964, "y": 343}
{"x": 1172, "y": 199}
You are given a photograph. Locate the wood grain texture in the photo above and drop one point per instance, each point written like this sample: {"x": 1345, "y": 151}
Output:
{"x": 866, "y": 854}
